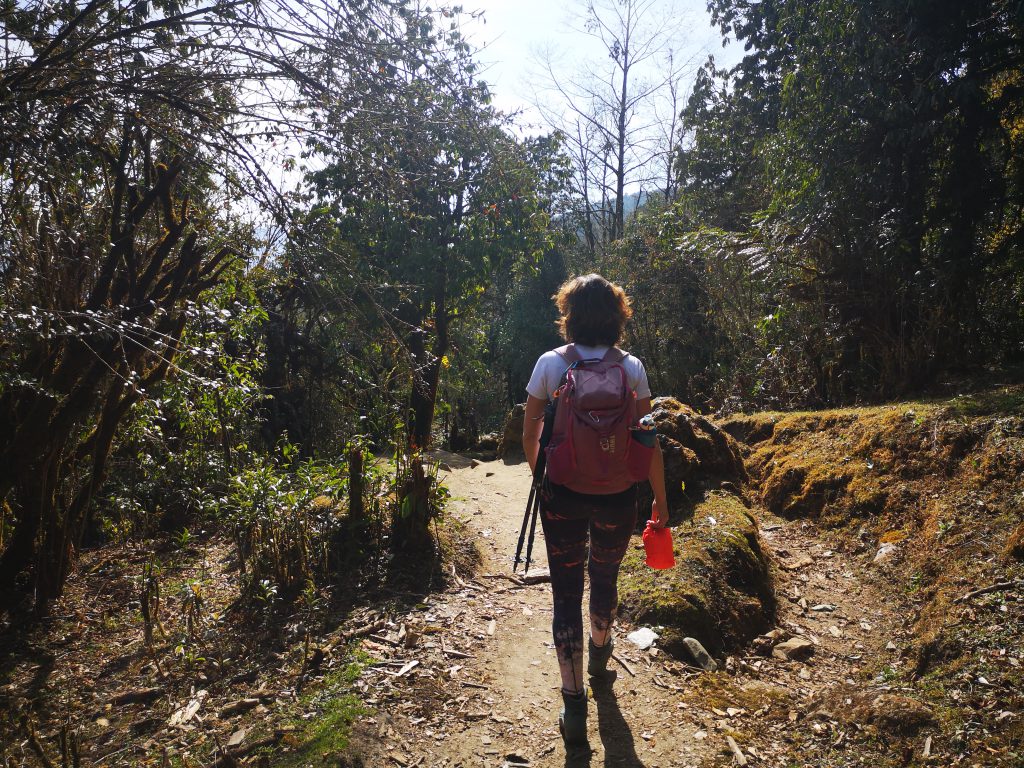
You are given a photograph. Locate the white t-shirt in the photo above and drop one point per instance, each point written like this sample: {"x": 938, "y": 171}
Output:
{"x": 547, "y": 373}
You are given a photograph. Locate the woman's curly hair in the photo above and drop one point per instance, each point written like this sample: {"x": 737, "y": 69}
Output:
{"x": 593, "y": 311}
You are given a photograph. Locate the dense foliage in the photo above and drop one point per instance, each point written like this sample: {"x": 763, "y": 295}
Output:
{"x": 186, "y": 344}
{"x": 168, "y": 361}
{"x": 853, "y": 190}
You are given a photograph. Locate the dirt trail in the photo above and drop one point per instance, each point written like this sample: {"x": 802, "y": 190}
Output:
{"x": 485, "y": 689}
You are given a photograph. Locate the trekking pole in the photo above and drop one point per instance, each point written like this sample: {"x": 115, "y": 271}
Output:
{"x": 533, "y": 527}
{"x": 526, "y": 520}
{"x": 533, "y": 502}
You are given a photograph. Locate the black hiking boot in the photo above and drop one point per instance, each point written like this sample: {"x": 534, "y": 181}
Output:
{"x": 572, "y": 720}
{"x": 598, "y": 657}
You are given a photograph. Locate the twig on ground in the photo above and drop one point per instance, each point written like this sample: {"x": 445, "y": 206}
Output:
{"x": 997, "y": 587}
{"x": 453, "y": 653}
{"x": 363, "y": 631}
{"x": 516, "y": 580}
{"x": 625, "y": 666}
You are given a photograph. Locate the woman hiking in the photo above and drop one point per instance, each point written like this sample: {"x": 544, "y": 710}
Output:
{"x": 597, "y": 509}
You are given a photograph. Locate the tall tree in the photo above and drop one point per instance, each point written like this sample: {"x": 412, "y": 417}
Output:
{"x": 431, "y": 196}
{"x": 867, "y": 148}
{"x": 126, "y": 129}
{"x": 609, "y": 112}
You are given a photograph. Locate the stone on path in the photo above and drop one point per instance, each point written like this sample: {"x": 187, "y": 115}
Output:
{"x": 536, "y": 576}
{"x": 796, "y": 649}
{"x": 700, "y": 656}
{"x": 884, "y": 553}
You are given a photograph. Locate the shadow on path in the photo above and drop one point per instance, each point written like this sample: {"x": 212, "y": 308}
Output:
{"x": 619, "y": 748}
{"x": 579, "y": 757}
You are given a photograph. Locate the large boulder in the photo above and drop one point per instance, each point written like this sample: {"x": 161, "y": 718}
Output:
{"x": 719, "y": 590}
{"x": 699, "y": 456}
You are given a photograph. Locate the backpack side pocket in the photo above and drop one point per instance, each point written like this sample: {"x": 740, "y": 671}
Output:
{"x": 640, "y": 452}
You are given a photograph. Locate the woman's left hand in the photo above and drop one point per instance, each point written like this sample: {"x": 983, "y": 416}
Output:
{"x": 659, "y": 514}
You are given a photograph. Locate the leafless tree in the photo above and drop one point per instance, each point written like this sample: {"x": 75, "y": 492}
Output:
{"x": 619, "y": 114}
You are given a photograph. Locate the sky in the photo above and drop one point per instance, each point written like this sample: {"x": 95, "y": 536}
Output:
{"x": 513, "y": 33}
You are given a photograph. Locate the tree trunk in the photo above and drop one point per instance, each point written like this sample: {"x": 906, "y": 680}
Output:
{"x": 356, "y": 510}
{"x": 619, "y": 224}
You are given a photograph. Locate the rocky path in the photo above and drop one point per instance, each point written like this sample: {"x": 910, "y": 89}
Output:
{"x": 470, "y": 679}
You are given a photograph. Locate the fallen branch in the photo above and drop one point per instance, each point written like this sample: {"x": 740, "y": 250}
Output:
{"x": 1001, "y": 586}
{"x": 238, "y": 707}
{"x": 662, "y": 684}
{"x": 137, "y": 696}
{"x": 363, "y": 631}
{"x": 466, "y": 584}
{"x": 508, "y": 576}
{"x": 230, "y": 757}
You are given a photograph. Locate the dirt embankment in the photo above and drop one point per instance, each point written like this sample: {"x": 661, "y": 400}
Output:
{"x": 719, "y": 591}
{"x": 932, "y": 494}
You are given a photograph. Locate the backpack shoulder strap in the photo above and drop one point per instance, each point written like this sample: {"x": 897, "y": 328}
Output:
{"x": 614, "y": 355}
{"x": 569, "y": 354}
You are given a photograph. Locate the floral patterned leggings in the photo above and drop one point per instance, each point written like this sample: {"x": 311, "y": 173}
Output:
{"x": 569, "y": 519}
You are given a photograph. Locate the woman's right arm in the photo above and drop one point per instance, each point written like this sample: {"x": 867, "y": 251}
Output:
{"x": 533, "y": 424}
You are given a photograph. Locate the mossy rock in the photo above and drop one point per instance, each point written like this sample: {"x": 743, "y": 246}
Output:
{"x": 699, "y": 456}
{"x": 719, "y": 590}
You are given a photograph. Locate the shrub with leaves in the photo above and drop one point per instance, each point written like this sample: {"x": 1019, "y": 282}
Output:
{"x": 293, "y": 522}
{"x": 181, "y": 443}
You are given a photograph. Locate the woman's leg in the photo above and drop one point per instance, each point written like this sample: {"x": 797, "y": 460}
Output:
{"x": 609, "y": 539}
{"x": 566, "y": 539}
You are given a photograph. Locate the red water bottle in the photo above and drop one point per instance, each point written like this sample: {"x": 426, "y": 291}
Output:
{"x": 658, "y": 546}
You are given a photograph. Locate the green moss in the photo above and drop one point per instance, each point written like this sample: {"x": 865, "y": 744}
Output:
{"x": 719, "y": 590}
{"x": 324, "y": 738}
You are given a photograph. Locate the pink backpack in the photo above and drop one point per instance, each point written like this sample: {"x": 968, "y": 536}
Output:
{"x": 591, "y": 449}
